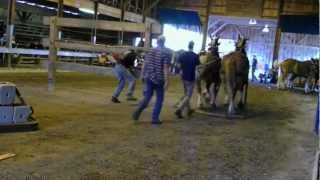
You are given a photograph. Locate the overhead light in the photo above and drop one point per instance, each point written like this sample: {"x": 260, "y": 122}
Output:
{"x": 266, "y": 28}
{"x": 89, "y": 11}
{"x": 22, "y": 2}
{"x": 252, "y": 21}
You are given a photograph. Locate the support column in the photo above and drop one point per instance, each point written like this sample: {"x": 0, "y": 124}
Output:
{"x": 121, "y": 33}
{"x": 147, "y": 34}
{"x": 205, "y": 26}
{"x": 143, "y": 16}
{"x": 277, "y": 41}
{"x": 53, "y": 54}
{"x": 94, "y": 36}
{"x": 10, "y": 27}
{"x": 60, "y": 14}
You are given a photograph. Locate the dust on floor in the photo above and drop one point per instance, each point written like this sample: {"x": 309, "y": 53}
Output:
{"x": 83, "y": 136}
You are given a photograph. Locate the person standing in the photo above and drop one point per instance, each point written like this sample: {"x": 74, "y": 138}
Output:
{"x": 123, "y": 71}
{"x": 155, "y": 74}
{"x": 253, "y": 68}
{"x": 188, "y": 62}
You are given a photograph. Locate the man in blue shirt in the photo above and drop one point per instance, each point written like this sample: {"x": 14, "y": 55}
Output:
{"x": 188, "y": 62}
{"x": 155, "y": 74}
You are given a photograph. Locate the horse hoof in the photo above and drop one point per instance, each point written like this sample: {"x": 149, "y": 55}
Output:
{"x": 213, "y": 106}
{"x": 241, "y": 105}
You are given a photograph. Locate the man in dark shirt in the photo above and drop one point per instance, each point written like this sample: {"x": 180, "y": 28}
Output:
{"x": 122, "y": 70}
{"x": 188, "y": 62}
{"x": 253, "y": 68}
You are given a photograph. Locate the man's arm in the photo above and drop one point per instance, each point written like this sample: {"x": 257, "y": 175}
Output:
{"x": 166, "y": 69}
{"x": 166, "y": 76}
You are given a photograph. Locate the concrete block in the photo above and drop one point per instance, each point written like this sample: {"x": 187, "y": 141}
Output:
{"x": 21, "y": 114}
{"x": 6, "y": 115}
{"x": 7, "y": 93}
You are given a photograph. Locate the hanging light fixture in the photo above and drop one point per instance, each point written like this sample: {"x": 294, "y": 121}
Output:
{"x": 252, "y": 21}
{"x": 266, "y": 28}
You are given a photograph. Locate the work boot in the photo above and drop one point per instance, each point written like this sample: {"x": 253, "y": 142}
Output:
{"x": 136, "y": 115}
{"x": 178, "y": 113}
{"x": 156, "y": 122}
{"x": 131, "y": 98}
{"x": 115, "y": 100}
{"x": 190, "y": 112}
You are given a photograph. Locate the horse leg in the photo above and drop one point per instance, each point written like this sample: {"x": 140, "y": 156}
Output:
{"x": 280, "y": 79}
{"x": 213, "y": 95}
{"x": 243, "y": 96}
{"x": 306, "y": 86}
{"x": 199, "y": 93}
{"x": 289, "y": 81}
{"x": 231, "y": 97}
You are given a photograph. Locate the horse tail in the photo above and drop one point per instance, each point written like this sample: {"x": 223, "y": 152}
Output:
{"x": 245, "y": 93}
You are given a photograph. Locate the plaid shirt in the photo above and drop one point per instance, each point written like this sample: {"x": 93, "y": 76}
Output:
{"x": 155, "y": 60}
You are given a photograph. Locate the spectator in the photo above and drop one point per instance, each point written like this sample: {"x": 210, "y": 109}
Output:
{"x": 253, "y": 68}
{"x": 155, "y": 74}
{"x": 122, "y": 70}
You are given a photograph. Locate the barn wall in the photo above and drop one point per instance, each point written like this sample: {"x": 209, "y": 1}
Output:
{"x": 245, "y": 8}
{"x": 298, "y": 46}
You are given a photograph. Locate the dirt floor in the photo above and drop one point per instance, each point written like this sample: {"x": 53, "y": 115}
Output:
{"x": 83, "y": 136}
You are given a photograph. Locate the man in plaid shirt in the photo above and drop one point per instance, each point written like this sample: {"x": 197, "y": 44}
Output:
{"x": 155, "y": 74}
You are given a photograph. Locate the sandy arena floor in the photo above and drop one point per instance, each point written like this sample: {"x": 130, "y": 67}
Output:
{"x": 83, "y": 136}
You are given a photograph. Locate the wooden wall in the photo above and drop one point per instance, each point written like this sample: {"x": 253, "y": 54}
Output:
{"x": 298, "y": 46}
{"x": 245, "y": 8}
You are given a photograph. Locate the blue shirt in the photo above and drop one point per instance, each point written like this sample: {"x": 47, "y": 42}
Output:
{"x": 154, "y": 63}
{"x": 189, "y": 61}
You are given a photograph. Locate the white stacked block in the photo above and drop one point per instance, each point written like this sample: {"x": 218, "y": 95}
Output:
{"x": 7, "y": 93}
{"x": 21, "y": 114}
{"x": 6, "y": 115}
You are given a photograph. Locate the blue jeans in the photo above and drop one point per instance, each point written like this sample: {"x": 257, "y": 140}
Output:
{"x": 149, "y": 89}
{"x": 123, "y": 75}
{"x": 185, "y": 100}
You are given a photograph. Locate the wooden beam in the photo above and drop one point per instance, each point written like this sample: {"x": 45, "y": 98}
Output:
{"x": 101, "y": 24}
{"x": 235, "y": 27}
{"x": 104, "y": 25}
{"x": 95, "y": 48}
{"x": 53, "y": 53}
{"x": 148, "y": 37}
{"x": 60, "y": 8}
{"x": 205, "y": 26}
{"x": 215, "y": 33}
{"x": 6, "y": 156}
{"x": 156, "y": 2}
{"x": 10, "y": 26}
{"x": 277, "y": 40}
{"x": 45, "y": 52}
{"x": 123, "y": 8}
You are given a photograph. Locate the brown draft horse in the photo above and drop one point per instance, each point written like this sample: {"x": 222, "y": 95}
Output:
{"x": 234, "y": 74}
{"x": 208, "y": 72}
{"x": 289, "y": 69}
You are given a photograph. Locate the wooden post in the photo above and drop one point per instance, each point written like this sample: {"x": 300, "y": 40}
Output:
{"x": 10, "y": 26}
{"x": 205, "y": 26}
{"x": 60, "y": 14}
{"x": 53, "y": 54}
{"x": 121, "y": 33}
{"x": 96, "y": 7}
{"x": 147, "y": 34}
{"x": 277, "y": 40}
{"x": 137, "y": 6}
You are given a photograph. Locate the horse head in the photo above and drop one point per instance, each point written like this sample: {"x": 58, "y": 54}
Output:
{"x": 214, "y": 45}
{"x": 241, "y": 43}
